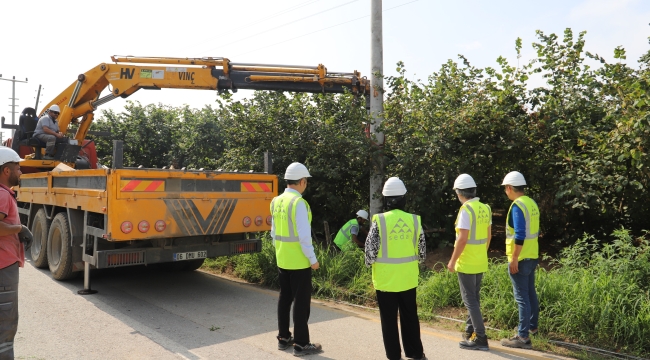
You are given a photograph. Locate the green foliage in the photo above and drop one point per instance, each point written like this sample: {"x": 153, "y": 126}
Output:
{"x": 581, "y": 139}
{"x": 324, "y": 132}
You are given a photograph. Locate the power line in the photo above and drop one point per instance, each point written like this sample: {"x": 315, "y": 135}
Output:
{"x": 323, "y": 29}
{"x": 285, "y": 24}
{"x": 282, "y": 12}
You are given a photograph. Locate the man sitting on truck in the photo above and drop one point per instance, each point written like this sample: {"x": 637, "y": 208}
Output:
{"x": 47, "y": 131}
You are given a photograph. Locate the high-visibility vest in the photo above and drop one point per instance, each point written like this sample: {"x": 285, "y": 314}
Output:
{"x": 474, "y": 259}
{"x": 344, "y": 237}
{"x": 288, "y": 251}
{"x": 530, "y": 249}
{"x": 396, "y": 266}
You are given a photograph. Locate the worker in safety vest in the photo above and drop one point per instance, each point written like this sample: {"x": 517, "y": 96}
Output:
{"x": 394, "y": 245}
{"x": 348, "y": 237}
{"x": 291, "y": 233}
{"x": 469, "y": 259}
{"x": 522, "y": 231}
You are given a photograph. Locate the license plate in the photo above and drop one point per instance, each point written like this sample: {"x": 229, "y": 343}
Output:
{"x": 190, "y": 255}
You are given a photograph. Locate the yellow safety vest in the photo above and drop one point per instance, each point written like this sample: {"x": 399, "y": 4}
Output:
{"x": 474, "y": 259}
{"x": 288, "y": 251}
{"x": 530, "y": 249}
{"x": 396, "y": 267}
{"x": 344, "y": 237}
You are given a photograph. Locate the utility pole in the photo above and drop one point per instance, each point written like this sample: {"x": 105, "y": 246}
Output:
{"x": 13, "y": 99}
{"x": 38, "y": 95}
{"x": 376, "y": 103}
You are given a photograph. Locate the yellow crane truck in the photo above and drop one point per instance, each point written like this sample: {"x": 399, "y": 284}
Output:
{"x": 87, "y": 218}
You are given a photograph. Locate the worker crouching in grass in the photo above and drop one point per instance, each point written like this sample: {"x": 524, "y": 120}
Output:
{"x": 469, "y": 260}
{"x": 394, "y": 245}
{"x": 349, "y": 237}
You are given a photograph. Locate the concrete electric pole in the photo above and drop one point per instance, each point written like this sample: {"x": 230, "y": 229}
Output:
{"x": 13, "y": 98}
{"x": 376, "y": 103}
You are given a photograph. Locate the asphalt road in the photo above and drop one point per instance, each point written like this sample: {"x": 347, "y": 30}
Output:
{"x": 143, "y": 314}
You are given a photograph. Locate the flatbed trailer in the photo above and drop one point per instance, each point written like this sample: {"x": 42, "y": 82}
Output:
{"x": 105, "y": 218}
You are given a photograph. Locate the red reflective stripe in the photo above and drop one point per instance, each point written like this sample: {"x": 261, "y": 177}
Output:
{"x": 131, "y": 185}
{"x": 264, "y": 187}
{"x": 153, "y": 186}
{"x": 249, "y": 187}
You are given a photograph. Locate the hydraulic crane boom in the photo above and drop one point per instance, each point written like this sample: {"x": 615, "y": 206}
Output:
{"x": 129, "y": 74}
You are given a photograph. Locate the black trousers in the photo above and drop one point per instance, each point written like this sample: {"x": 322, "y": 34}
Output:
{"x": 295, "y": 287}
{"x": 390, "y": 303}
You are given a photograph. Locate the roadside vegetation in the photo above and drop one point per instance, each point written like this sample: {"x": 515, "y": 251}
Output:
{"x": 593, "y": 294}
{"x": 575, "y": 124}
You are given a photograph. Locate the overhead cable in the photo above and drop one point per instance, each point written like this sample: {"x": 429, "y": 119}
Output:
{"x": 323, "y": 29}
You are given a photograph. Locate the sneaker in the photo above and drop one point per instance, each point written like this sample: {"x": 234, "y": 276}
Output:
{"x": 475, "y": 343}
{"x": 283, "y": 344}
{"x": 308, "y": 349}
{"x": 533, "y": 331}
{"x": 517, "y": 342}
{"x": 48, "y": 157}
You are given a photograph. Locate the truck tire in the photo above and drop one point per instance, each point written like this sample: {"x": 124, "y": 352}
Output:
{"x": 191, "y": 265}
{"x": 40, "y": 229}
{"x": 59, "y": 248}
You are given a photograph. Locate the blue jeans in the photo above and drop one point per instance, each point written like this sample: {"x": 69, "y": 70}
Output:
{"x": 523, "y": 285}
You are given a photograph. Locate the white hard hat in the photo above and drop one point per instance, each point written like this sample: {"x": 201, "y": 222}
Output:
{"x": 394, "y": 187}
{"x": 362, "y": 214}
{"x": 55, "y": 108}
{"x": 296, "y": 171}
{"x": 464, "y": 181}
{"x": 7, "y": 155}
{"x": 514, "y": 178}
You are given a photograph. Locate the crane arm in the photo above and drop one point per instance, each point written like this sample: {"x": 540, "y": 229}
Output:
{"x": 129, "y": 74}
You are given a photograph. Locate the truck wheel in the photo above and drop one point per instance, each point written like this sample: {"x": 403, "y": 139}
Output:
{"x": 191, "y": 265}
{"x": 40, "y": 228}
{"x": 59, "y": 249}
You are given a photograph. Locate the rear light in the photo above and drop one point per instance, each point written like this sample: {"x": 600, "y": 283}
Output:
{"x": 247, "y": 221}
{"x": 269, "y": 219}
{"x": 143, "y": 226}
{"x": 259, "y": 221}
{"x": 126, "y": 227}
{"x": 160, "y": 225}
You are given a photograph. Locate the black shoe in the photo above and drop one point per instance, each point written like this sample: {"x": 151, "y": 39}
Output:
{"x": 308, "y": 349}
{"x": 467, "y": 336}
{"x": 478, "y": 342}
{"x": 48, "y": 157}
{"x": 283, "y": 344}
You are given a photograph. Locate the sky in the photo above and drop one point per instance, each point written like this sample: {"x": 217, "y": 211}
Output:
{"x": 66, "y": 38}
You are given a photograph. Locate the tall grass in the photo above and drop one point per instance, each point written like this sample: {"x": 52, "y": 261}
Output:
{"x": 594, "y": 294}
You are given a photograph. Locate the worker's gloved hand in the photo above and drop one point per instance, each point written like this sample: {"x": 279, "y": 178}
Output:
{"x": 25, "y": 237}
